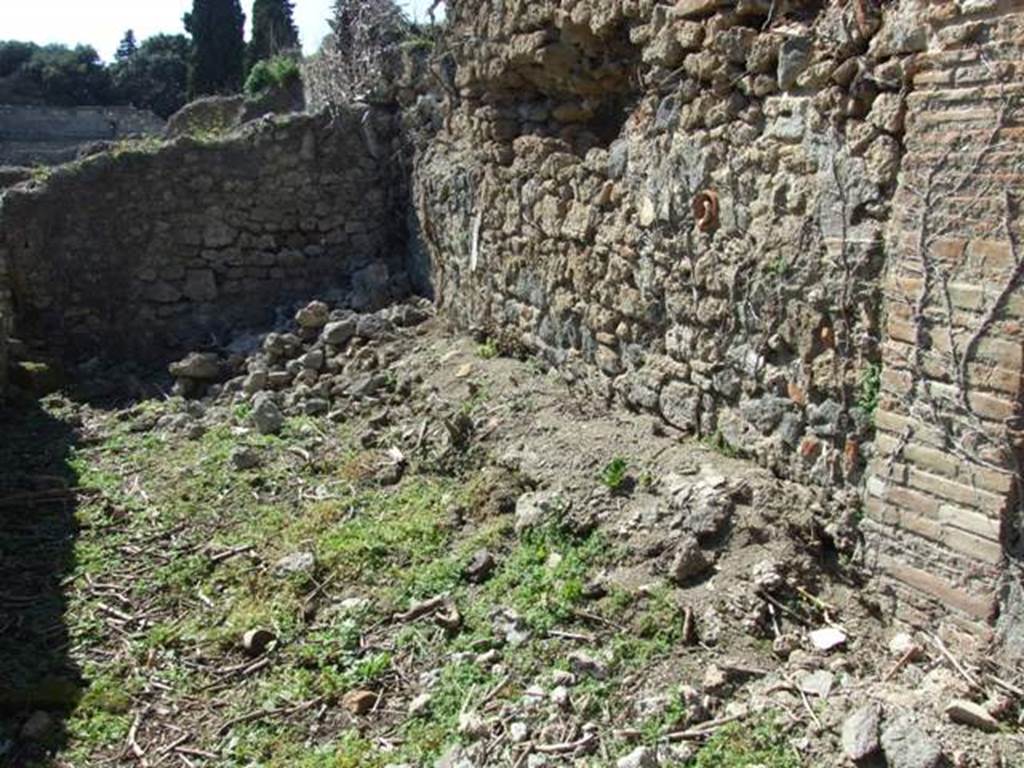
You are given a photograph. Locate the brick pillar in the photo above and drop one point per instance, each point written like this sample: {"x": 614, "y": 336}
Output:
{"x": 943, "y": 515}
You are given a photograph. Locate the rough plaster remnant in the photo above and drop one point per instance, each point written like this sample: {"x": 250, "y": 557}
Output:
{"x": 773, "y": 331}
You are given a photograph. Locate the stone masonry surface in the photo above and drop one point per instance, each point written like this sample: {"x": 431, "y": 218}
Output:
{"x": 143, "y": 251}
{"x": 716, "y": 204}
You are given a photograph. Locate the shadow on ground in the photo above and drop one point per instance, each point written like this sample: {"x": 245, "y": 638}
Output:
{"x": 39, "y": 684}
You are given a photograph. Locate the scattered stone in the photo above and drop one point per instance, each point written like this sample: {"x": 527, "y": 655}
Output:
{"x": 518, "y": 732}
{"x": 537, "y": 508}
{"x": 715, "y": 679}
{"x": 420, "y": 705}
{"x": 641, "y": 757}
{"x": 489, "y": 658}
{"x": 860, "y": 733}
{"x": 265, "y": 415}
{"x": 904, "y": 644}
{"x": 455, "y": 757}
{"x": 560, "y": 697}
{"x": 37, "y": 727}
{"x": 255, "y": 382}
{"x": 359, "y": 703}
{"x": 590, "y": 666}
{"x": 968, "y": 713}
{"x": 827, "y": 639}
{"x": 339, "y": 333}
{"x": 373, "y": 327}
{"x": 561, "y": 677}
{"x": 785, "y": 644}
{"x": 316, "y": 314}
{"x": 511, "y": 626}
{"x": 313, "y": 360}
{"x": 689, "y": 561}
{"x": 907, "y": 746}
{"x": 318, "y": 406}
{"x": 480, "y": 567}
{"x": 200, "y": 366}
{"x": 245, "y": 457}
{"x": 706, "y": 509}
{"x": 818, "y": 683}
{"x": 256, "y": 641}
{"x": 295, "y": 563}
{"x": 766, "y": 575}
{"x": 472, "y": 725}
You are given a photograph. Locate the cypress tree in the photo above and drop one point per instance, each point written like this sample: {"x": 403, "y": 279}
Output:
{"x": 218, "y": 46}
{"x": 127, "y": 48}
{"x": 273, "y": 30}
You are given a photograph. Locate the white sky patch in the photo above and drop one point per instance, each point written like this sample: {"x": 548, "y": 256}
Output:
{"x": 102, "y": 23}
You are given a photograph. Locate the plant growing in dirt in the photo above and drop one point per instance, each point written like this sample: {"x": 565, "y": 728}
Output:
{"x": 615, "y": 475}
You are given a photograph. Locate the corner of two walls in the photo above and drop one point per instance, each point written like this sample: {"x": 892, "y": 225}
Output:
{"x": 735, "y": 258}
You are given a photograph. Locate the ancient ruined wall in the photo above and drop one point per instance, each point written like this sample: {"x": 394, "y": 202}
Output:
{"x": 692, "y": 199}
{"x": 139, "y": 252}
{"x": 943, "y": 502}
{"x": 49, "y": 135}
{"x": 696, "y": 200}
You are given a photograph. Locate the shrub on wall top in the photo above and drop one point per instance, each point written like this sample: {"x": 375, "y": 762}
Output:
{"x": 278, "y": 72}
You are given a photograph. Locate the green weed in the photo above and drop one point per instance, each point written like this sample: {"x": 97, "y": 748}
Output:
{"x": 615, "y": 474}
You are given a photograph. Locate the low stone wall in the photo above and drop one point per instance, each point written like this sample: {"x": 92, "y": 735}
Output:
{"x": 52, "y": 135}
{"x": 701, "y": 200}
{"x": 142, "y": 252}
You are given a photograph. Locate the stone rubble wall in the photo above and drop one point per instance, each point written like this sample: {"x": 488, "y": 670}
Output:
{"x": 144, "y": 251}
{"x": 696, "y": 200}
{"x": 51, "y": 135}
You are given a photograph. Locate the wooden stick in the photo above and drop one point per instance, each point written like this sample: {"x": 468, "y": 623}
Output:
{"x": 702, "y": 730}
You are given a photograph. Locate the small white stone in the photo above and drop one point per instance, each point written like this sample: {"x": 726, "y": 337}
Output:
{"x": 827, "y": 639}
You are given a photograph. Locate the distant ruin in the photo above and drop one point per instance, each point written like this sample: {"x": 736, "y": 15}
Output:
{"x": 52, "y": 135}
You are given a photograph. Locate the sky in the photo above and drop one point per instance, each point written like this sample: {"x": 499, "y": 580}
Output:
{"x": 102, "y": 23}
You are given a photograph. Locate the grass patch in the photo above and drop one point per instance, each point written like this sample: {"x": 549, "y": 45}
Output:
{"x": 761, "y": 744}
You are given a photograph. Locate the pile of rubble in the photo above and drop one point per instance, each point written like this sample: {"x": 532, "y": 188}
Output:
{"x": 328, "y": 356}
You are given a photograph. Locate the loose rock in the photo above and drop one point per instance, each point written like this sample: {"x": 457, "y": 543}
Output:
{"x": 689, "y": 561}
{"x": 256, "y": 641}
{"x": 265, "y": 415}
{"x": 359, "y": 703}
{"x": 860, "y": 733}
{"x": 480, "y": 567}
{"x": 313, "y": 315}
{"x": 200, "y": 366}
{"x": 968, "y": 713}
{"x": 907, "y": 746}
{"x": 641, "y": 757}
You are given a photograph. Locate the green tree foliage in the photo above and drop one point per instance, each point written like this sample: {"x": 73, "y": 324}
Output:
{"x": 13, "y": 55}
{"x": 128, "y": 47}
{"x": 273, "y": 30}
{"x": 278, "y": 72}
{"x": 156, "y": 76}
{"x": 218, "y": 46}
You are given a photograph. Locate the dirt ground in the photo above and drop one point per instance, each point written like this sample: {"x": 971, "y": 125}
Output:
{"x": 447, "y": 556}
